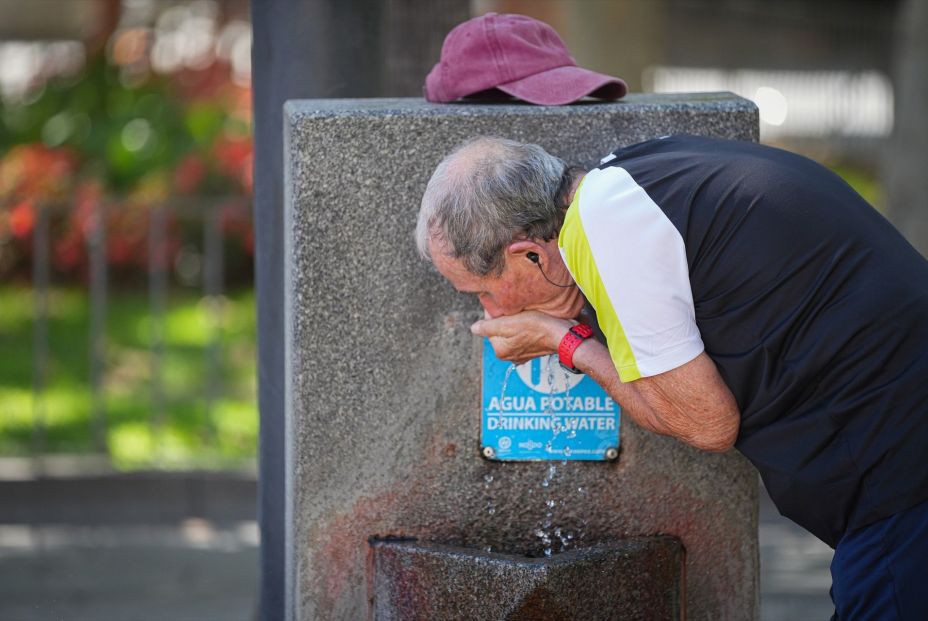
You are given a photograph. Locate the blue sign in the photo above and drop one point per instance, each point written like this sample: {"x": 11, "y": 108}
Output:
{"x": 539, "y": 411}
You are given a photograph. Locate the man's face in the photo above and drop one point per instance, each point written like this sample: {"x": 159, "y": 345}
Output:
{"x": 520, "y": 287}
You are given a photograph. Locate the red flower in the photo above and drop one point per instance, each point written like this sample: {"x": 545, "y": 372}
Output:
{"x": 234, "y": 159}
{"x": 189, "y": 174}
{"x": 34, "y": 170}
{"x": 22, "y": 220}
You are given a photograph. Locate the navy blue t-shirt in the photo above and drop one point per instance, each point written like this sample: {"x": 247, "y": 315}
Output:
{"x": 815, "y": 311}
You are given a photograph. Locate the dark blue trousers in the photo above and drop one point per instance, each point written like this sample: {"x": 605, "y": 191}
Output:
{"x": 880, "y": 571}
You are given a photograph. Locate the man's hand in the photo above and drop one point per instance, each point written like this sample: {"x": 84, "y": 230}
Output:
{"x": 519, "y": 338}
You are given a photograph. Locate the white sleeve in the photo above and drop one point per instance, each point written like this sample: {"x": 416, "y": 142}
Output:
{"x": 630, "y": 261}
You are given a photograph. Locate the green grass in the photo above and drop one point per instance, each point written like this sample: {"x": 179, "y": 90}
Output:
{"x": 186, "y": 435}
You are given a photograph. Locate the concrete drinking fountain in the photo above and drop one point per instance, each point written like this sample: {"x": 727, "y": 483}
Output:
{"x": 411, "y": 494}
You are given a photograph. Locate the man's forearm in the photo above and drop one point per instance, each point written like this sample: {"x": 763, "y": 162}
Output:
{"x": 593, "y": 359}
{"x": 690, "y": 403}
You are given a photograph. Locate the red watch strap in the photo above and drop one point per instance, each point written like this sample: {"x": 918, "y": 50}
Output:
{"x": 571, "y": 341}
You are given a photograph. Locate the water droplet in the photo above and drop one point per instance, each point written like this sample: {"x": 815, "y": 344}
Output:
{"x": 551, "y": 502}
{"x": 545, "y": 483}
{"x": 491, "y": 510}
{"x": 548, "y": 552}
{"x": 488, "y": 478}
{"x": 567, "y": 451}
{"x": 580, "y": 490}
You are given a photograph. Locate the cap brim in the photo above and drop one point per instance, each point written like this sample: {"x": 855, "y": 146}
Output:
{"x": 564, "y": 85}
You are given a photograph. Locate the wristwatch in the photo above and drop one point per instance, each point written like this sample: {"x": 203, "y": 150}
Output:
{"x": 569, "y": 344}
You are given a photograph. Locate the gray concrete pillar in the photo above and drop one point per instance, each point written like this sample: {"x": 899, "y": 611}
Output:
{"x": 382, "y": 376}
{"x": 315, "y": 48}
{"x": 301, "y": 48}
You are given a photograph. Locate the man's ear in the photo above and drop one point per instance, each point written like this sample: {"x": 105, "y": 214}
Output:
{"x": 522, "y": 247}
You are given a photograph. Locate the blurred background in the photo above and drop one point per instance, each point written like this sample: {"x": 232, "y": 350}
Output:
{"x": 128, "y": 396}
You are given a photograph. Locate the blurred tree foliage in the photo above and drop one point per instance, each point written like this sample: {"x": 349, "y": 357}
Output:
{"x": 121, "y": 132}
{"x": 132, "y": 142}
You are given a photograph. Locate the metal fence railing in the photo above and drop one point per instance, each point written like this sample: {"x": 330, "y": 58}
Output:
{"x": 177, "y": 243}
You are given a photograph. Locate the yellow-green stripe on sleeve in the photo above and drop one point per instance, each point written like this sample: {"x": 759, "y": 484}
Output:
{"x": 576, "y": 249}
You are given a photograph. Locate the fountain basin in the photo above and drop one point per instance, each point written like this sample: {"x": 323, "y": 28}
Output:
{"x": 637, "y": 578}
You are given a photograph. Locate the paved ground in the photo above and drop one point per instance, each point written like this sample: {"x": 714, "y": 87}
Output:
{"x": 200, "y": 569}
{"x": 191, "y": 572}
{"x": 794, "y": 570}
{"x": 125, "y": 547}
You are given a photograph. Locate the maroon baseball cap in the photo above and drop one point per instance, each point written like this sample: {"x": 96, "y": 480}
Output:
{"x": 517, "y": 55}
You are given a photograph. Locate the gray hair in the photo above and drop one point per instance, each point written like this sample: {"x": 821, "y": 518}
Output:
{"x": 488, "y": 192}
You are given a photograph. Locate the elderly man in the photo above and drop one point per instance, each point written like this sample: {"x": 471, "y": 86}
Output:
{"x": 745, "y": 297}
